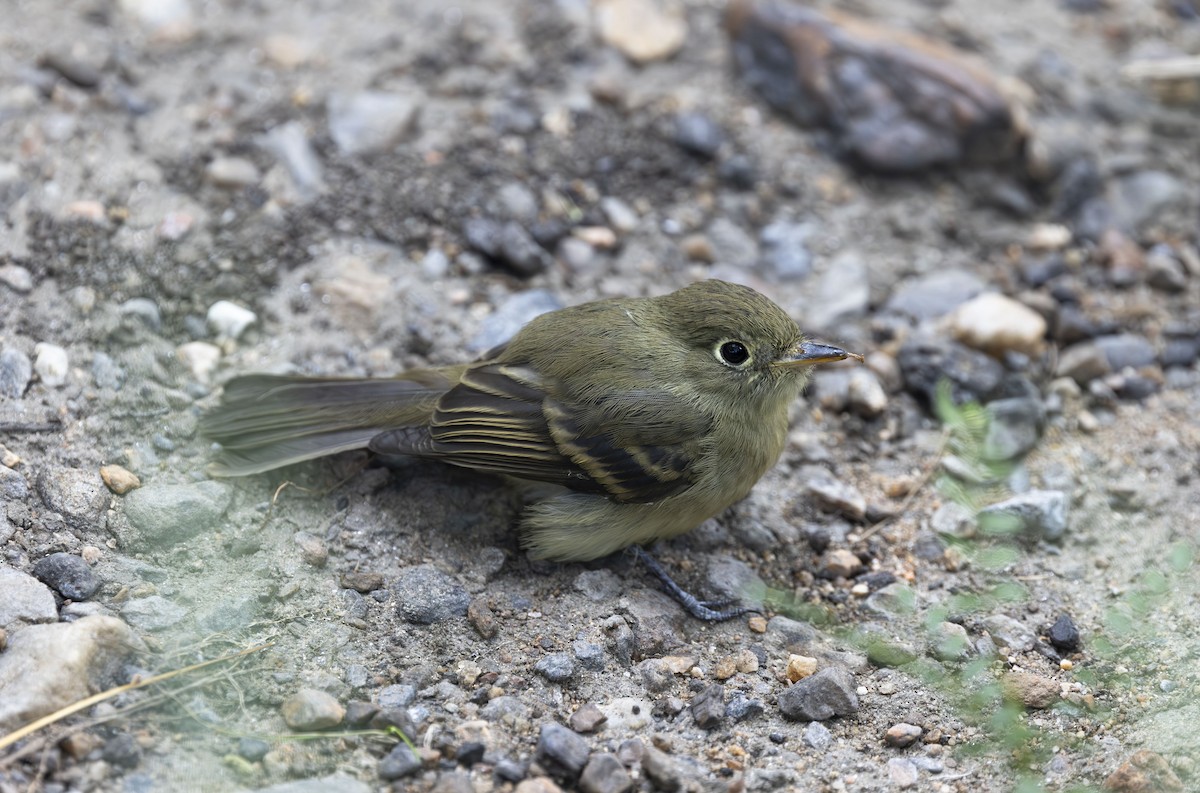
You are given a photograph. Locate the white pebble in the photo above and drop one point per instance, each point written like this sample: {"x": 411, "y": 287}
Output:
{"x": 229, "y": 320}
{"x": 51, "y": 364}
{"x": 200, "y": 358}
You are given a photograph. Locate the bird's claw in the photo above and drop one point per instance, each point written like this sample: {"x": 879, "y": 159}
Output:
{"x": 707, "y": 610}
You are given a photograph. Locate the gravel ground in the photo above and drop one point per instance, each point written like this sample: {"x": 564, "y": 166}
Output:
{"x": 985, "y": 585}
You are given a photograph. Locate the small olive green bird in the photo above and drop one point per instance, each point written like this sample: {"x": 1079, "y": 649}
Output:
{"x": 653, "y": 414}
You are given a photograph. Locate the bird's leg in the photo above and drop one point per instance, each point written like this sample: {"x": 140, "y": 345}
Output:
{"x": 708, "y": 610}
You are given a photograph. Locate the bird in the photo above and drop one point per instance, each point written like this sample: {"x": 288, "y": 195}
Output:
{"x": 649, "y": 414}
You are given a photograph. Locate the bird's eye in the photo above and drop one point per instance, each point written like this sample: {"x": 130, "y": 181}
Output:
{"x": 733, "y": 353}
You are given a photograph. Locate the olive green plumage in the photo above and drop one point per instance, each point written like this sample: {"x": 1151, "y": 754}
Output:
{"x": 653, "y": 413}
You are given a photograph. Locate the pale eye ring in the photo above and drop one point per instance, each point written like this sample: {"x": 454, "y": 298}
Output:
{"x": 733, "y": 353}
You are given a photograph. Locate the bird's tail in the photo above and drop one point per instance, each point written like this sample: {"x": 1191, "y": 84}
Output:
{"x": 268, "y": 421}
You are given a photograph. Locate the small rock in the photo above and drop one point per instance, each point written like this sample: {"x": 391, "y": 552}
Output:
{"x": 289, "y": 143}
{"x": 604, "y": 773}
{"x": 200, "y": 358}
{"x": 122, "y": 750}
{"x": 953, "y": 520}
{"x": 1010, "y": 633}
{"x": 145, "y": 310}
{"x": 708, "y": 707}
{"x": 399, "y": 763}
{"x": 731, "y": 244}
{"x": 16, "y": 278}
{"x": 507, "y": 243}
{"x": 15, "y": 373}
{"x": 13, "y": 486}
{"x": 800, "y": 667}
{"x": 598, "y": 586}
{"x": 1014, "y": 427}
{"x": 1164, "y": 271}
{"x": 561, "y": 750}
{"x": 843, "y": 292}
{"x": 1040, "y": 513}
{"x": 312, "y": 549}
{"x": 24, "y": 599}
{"x": 926, "y": 361}
{"x": 1143, "y": 196}
{"x": 589, "y": 655}
{"x": 935, "y": 295}
{"x": 662, "y": 769}
{"x": 948, "y": 641}
{"x": 742, "y": 708}
{"x": 74, "y": 493}
{"x": 312, "y": 709}
{"x": 47, "y": 667}
{"x": 152, "y": 613}
{"x": 426, "y": 595}
{"x": 817, "y": 736}
{"x": 840, "y": 563}
{"x": 68, "y": 575}
{"x": 997, "y": 324}
{"x": 732, "y": 579}
{"x": 785, "y": 254}
{"x": 252, "y": 749}
{"x": 1144, "y": 772}
{"x": 698, "y": 134}
{"x": 51, "y": 364}
{"x": 619, "y": 215}
{"x": 556, "y": 667}
{"x": 118, "y": 479}
{"x": 169, "y": 514}
{"x": 822, "y": 696}
{"x": 397, "y": 696}
{"x": 1083, "y": 363}
{"x": 865, "y": 395}
{"x": 371, "y": 120}
{"x": 1126, "y": 350}
{"x": 363, "y": 581}
{"x": 334, "y": 783}
{"x": 588, "y": 718}
{"x": 482, "y": 618}
{"x": 903, "y": 773}
{"x": 232, "y": 173}
{"x": 229, "y": 320}
{"x": 902, "y": 735}
{"x": 643, "y": 30}
{"x": 1032, "y": 691}
{"x": 1064, "y": 635}
{"x": 832, "y": 494}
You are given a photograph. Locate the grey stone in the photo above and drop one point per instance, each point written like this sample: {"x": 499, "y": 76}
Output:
{"x": 742, "y": 708}
{"x": 973, "y": 376}
{"x": 78, "y": 495}
{"x": 698, "y": 134}
{"x": 152, "y": 613}
{"x": 1126, "y": 349}
{"x": 731, "y": 244}
{"x": 949, "y": 641}
{"x": 1083, "y": 362}
{"x": 312, "y": 709}
{"x": 935, "y": 294}
{"x": 144, "y": 309}
{"x": 230, "y": 614}
{"x": 662, "y": 769}
{"x": 556, "y": 667}
{"x": 512, "y": 315}
{"x": 169, "y": 514}
{"x": 817, "y": 736}
{"x": 1064, "y": 634}
{"x": 1014, "y": 427}
{"x": 561, "y": 750}
{"x": 47, "y": 667}
{"x": 505, "y": 709}
{"x": 335, "y": 783}
{"x": 953, "y": 519}
{"x": 842, "y": 293}
{"x": 903, "y": 773}
{"x": 106, "y": 373}
{"x": 24, "y": 599}
{"x": 828, "y": 693}
{"x": 791, "y": 633}
{"x": 1040, "y": 513}
{"x": 598, "y": 585}
{"x": 289, "y": 143}
{"x": 732, "y": 579}
{"x": 16, "y": 370}
{"x": 1143, "y": 196}
{"x": 13, "y": 486}
{"x": 604, "y": 773}
{"x": 1010, "y": 633}
{"x": 398, "y": 695}
{"x": 516, "y": 201}
{"x": 784, "y": 249}
{"x": 507, "y": 243}
{"x": 370, "y": 120}
{"x": 589, "y": 655}
{"x": 708, "y": 707}
{"x": 832, "y": 494}
{"x": 68, "y": 575}
{"x": 425, "y": 595}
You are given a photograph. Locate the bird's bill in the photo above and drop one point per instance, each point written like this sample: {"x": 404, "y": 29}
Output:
{"x": 809, "y": 353}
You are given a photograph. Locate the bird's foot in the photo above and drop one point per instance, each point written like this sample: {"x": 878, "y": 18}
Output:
{"x": 707, "y": 610}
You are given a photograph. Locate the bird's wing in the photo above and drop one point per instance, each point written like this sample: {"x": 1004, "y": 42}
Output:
{"x": 500, "y": 418}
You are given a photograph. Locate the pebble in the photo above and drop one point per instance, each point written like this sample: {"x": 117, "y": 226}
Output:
{"x": 556, "y": 667}
{"x": 400, "y": 762}
{"x": 731, "y": 245}
{"x": 589, "y": 655}
{"x": 934, "y": 295}
{"x": 505, "y": 708}
{"x": 708, "y": 707}
{"x": 1040, "y": 513}
{"x": 901, "y": 735}
{"x": 903, "y": 773}
{"x": 1083, "y": 362}
{"x": 743, "y": 708}
{"x": 252, "y": 749}
{"x": 698, "y": 134}
{"x": 732, "y": 579}
{"x": 168, "y": 20}
{"x": 619, "y": 214}
{"x": 1064, "y": 634}
{"x": 200, "y": 358}
{"x": 51, "y": 364}
{"x": 1143, "y": 196}
{"x": 15, "y": 373}
{"x": 145, "y": 310}
{"x": 800, "y": 667}
{"x": 169, "y": 514}
{"x": 588, "y": 718}
{"x": 426, "y": 595}
{"x": 1145, "y": 771}
{"x": 122, "y": 750}
{"x": 24, "y": 599}
{"x": 865, "y": 395}
{"x": 662, "y": 769}
{"x": 840, "y": 563}
{"x": 1126, "y": 350}
{"x": 1048, "y": 237}
{"x": 118, "y": 479}
{"x": 335, "y": 783}
{"x": 482, "y": 618}
{"x": 832, "y": 494}
{"x": 1010, "y": 633}
{"x": 817, "y": 736}
{"x": 289, "y": 143}
{"x": 232, "y": 173}
{"x": 561, "y": 750}
{"x": 997, "y": 324}
{"x": 47, "y": 667}
{"x": 152, "y": 613}
{"x": 16, "y": 278}
{"x": 74, "y": 493}
{"x": 363, "y": 581}
{"x": 508, "y": 243}
{"x": 67, "y": 574}
{"x": 371, "y": 120}
{"x": 106, "y": 373}
{"x": 949, "y": 641}
{"x": 1031, "y": 690}
{"x": 784, "y": 253}
{"x": 312, "y": 709}
{"x": 604, "y": 773}
{"x": 1014, "y": 427}
{"x": 228, "y": 320}
{"x": 642, "y": 30}
{"x": 824, "y": 695}
{"x": 598, "y": 585}
{"x": 925, "y": 361}
{"x": 1164, "y": 271}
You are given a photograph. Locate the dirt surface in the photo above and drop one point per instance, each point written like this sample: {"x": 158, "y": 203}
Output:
{"x": 157, "y": 158}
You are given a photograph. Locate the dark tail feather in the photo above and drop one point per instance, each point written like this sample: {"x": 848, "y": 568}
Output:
{"x": 268, "y": 421}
